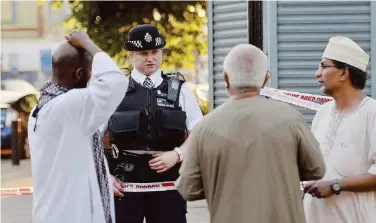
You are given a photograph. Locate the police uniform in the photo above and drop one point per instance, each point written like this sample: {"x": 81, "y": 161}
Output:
{"x": 154, "y": 116}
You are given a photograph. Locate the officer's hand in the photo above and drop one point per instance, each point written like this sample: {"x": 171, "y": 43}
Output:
{"x": 164, "y": 161}
{"x": 78, "y": 38}
{"x": 117, "y": 186}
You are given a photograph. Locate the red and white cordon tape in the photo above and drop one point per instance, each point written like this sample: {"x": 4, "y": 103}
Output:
{"x": 303, "y": 100}
{"x": 149, "y": 187}
{"x": 16, "y": 191}
{"x": 308, "y": 97}
{"x": 128, "y": 187}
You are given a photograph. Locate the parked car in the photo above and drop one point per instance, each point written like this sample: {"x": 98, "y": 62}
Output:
{"x": 18, "y": 97}
{"x": 6, "y": 129}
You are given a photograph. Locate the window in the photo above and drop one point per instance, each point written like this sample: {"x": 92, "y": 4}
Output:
{"x": 8, "y": 12}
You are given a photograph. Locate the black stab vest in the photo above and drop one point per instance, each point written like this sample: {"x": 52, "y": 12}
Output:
{"x": 147, "y": 119}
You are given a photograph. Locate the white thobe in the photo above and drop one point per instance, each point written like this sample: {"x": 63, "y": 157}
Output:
{"x": 348, "y": 144}
{"x": 64, "y": 178}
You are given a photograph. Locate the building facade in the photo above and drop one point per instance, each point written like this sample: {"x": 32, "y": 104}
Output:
{"x": 29, "y": 30}
{"x": 293, "y": 34}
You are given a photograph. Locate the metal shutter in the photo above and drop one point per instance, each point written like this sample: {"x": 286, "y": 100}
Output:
{"x": 228, "y": 26}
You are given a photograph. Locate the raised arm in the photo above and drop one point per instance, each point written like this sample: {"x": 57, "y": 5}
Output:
{"x": 95, "y": 104}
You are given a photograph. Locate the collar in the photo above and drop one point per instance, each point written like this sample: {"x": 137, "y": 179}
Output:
{"x": 155, "y": 77}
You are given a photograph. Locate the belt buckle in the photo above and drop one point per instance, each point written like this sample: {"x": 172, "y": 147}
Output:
{"x": 115, "y": 151}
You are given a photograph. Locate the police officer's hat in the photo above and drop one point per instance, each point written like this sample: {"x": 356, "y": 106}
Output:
{"x": 144, "y": 37}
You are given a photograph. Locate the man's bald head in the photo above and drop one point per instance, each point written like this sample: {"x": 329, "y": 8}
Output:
{"x": 71, "y": 66}
{"x": 245, "y": 66}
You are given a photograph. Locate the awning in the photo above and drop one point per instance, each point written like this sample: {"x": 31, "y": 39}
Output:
{"x": 14, "y": 89}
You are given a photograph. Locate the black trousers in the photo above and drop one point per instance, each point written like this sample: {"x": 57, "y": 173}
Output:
{"x": 155, "y": 207}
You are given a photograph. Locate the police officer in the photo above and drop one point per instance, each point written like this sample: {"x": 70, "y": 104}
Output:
{"x": 146, "y": 131}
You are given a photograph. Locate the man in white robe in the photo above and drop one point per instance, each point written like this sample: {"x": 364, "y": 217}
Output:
{"x": 346, "y": 130}
{"x": 70, "y": 176}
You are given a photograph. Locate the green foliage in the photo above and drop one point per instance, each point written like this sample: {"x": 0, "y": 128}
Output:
{"x": 108, "y": 22}
{"x": 204, "y": 106}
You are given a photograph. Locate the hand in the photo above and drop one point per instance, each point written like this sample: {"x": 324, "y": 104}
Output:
{"x": 78, "y": 38}
{"x": 308, "y": 185}
{"x": 117, "y": 186}
{"x": 322, "y": 189}
{"x": 164, "y": 161}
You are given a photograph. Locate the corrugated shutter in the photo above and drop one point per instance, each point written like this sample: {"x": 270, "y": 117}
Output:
{"x": 303, "y": 30}
{"x": 228, "y": 24}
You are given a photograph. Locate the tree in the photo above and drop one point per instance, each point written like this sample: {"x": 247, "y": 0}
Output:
{"x": 108, "y": 22}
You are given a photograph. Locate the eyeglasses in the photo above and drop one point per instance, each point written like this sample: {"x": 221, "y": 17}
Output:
{"x": 323, "y": 66}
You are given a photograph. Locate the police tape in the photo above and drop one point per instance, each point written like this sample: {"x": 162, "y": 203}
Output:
{"x": 16, "y": 191}
{"x": 279, "y": 96}
{"x": 128, "y": 187}
{"x": 149, "y": 187}
{"x": 302, "y": 100}
{"x": 308, "y": 97}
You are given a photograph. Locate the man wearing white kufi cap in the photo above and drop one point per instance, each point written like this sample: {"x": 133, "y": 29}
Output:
{"x": 346, "y": 130}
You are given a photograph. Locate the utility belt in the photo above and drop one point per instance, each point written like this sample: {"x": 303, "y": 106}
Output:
{"x": 114, "y": 152}
{"x": 131, "y": 167}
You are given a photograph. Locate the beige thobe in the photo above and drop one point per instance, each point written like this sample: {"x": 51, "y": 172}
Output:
{"x": 348, "y": 144}
{"x": 247, "y": 158}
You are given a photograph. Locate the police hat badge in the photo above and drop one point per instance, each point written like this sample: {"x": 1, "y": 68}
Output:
{"x": 144, "y": 37}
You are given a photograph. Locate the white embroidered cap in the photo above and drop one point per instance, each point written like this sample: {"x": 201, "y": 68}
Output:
{"x": 345, "y": 50}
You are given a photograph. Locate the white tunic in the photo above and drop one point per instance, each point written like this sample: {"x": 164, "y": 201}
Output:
{"x": 65, "y": 183}
{"x": 348, "y": 144}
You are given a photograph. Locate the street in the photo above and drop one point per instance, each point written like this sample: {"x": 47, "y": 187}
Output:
{"x": 17, "y": 209}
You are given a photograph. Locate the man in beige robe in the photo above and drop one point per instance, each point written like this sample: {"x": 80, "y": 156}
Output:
{"x": 248, "y": 155}
{"x": 346, "y": 131}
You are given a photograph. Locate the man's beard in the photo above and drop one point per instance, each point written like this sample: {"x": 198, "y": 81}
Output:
{"x": 326, "y": 91}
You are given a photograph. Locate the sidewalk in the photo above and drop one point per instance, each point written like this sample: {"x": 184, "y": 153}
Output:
{"x": 18, "y": 209}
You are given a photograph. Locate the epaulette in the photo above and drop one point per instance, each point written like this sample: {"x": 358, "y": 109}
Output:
{"x": 177, "y": 75}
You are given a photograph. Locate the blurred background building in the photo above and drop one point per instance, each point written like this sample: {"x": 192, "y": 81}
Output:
{"x": 28, "y": 33}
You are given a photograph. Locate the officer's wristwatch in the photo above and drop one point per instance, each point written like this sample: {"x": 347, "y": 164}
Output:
{"x": 336, "y": 187}
{"x": 180, "y": 153}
